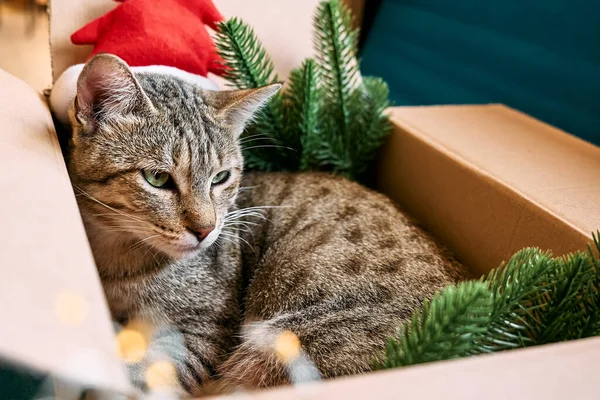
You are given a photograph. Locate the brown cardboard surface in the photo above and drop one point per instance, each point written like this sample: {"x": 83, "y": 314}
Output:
{"x": 489, "y": 180}
{"x": 66, "y": 17}
{"x": 284, "y": 27}
{"x": 53, "y": 316}
{"x": 559, "y": 371}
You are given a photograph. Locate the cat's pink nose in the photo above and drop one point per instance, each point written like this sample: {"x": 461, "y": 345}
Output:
{"x": 202, "y": 233}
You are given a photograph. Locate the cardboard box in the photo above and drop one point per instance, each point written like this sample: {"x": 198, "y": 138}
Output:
{"x": 53, "y": 315}
{"x": 486, "y": 179}
{"x": 490, "y": 181}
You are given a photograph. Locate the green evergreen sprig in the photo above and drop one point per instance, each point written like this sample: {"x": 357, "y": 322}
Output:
{"x": 534, "y": 299}
{"x": 328, "y": 118}
{"x": 248, "y": 66}
{"x": 444, "y": 328}
{"x": 335, "y": 43}
{"x": 304, "y": 102}
{"x": 371, "y": 126}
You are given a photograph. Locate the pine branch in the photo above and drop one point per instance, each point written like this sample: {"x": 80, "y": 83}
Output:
{"x": 330, "y": 118}
{"x": 518, "y": 288}
{"x": 303, "y": 102}
{"x": 562, "y": 316}
{"x": 247, "y": 63}
{"x": 591, "y": 326}
{"x": 336, "y": 43}
{"x": 354, "y": 120}
{"x": 534, "y": 299}
{"x": 249, "y": 66}
{"x": 444, "y": 328}
{"x": 371, "y": 125}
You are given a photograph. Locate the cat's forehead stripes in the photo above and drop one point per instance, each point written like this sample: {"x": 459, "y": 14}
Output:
{"x": 195, "y": 159}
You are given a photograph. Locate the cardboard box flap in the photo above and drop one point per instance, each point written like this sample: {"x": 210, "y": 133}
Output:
{"x": 54, "y": 314}
{"x": 284, "y": 27}
{"x": 489, "y": 180}
{"x": 556, "y": 371}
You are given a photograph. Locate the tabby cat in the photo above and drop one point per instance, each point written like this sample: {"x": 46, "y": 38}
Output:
{"x": 221, "y": 265}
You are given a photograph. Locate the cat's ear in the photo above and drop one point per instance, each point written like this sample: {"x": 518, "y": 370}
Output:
{"x": 237, "y": 107}
{"x": 106, "y": 87}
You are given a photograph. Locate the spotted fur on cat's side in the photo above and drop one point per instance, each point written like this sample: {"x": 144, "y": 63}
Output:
{"x": 216, "y": 265}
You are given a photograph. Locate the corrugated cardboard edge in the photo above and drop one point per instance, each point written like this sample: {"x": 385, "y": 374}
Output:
{"x": 54, "y": 316}
{"x": 469, "y": 208}
{"x": 556, "y": 371}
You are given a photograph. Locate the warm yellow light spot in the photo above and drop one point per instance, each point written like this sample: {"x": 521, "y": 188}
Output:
{"x": 131, "y": 345}
{"x": 71, "y": 308}
{"x": 161, "y": 375}
{"x": 287, "y": 346}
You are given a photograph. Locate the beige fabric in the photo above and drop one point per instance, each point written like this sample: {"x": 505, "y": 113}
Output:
{"x": 285, "y": 28}
{"x": 489, "y": 180}
{"x": 53, "y": 316}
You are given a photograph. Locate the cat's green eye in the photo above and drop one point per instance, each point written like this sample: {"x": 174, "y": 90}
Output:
{"x": 221, "y": 177}
{"x": 156, "y": 179}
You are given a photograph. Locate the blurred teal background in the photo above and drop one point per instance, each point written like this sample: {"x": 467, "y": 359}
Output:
{"x": 541, "y": 57}
{"x": 18, "y": 384}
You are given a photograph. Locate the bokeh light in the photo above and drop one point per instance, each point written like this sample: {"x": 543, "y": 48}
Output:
{"x": 287, "y": 346}
{"x": 131, "y": 345}
{"x": 161, "y": 375}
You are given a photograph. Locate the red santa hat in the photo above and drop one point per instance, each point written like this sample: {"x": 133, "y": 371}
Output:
{"x": 150, "y": 32}
{"x": 168, "y": 36}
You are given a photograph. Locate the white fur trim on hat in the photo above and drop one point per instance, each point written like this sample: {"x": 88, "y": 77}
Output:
{"x": 65, "y": 88}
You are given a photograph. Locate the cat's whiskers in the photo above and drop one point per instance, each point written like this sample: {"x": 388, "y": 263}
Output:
{"x": 244, "y": 188}
{"x": 227, "y": 239}
{"x": 251, "y": 136}
{"x": 147, "y": 251}
{"x": 113, "y": 217}
{"x": 234, "y": 236}
{"x": 249, "y": 214}
{"x": 123, "y": 230}
{"x": 230, "y": 217}
{"x": 127, "y": 228}
{"x": 89, "y": 196}
{"x": 237, "y": 229}
{"x": 141, "y": 243}
{"x": 115, "y": 222}
{"x": 258, "y": 208}
{"x": 154, "y": 256}
{"x": 219, "y": 246}
{"x": 255, "y": 211}
{"x": 238, "y": 222}
{"x": 255, "y": 138}
{"x": 268, "y": 146}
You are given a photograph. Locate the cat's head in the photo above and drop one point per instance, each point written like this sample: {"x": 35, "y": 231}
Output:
{"x": 155, "y": 160}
